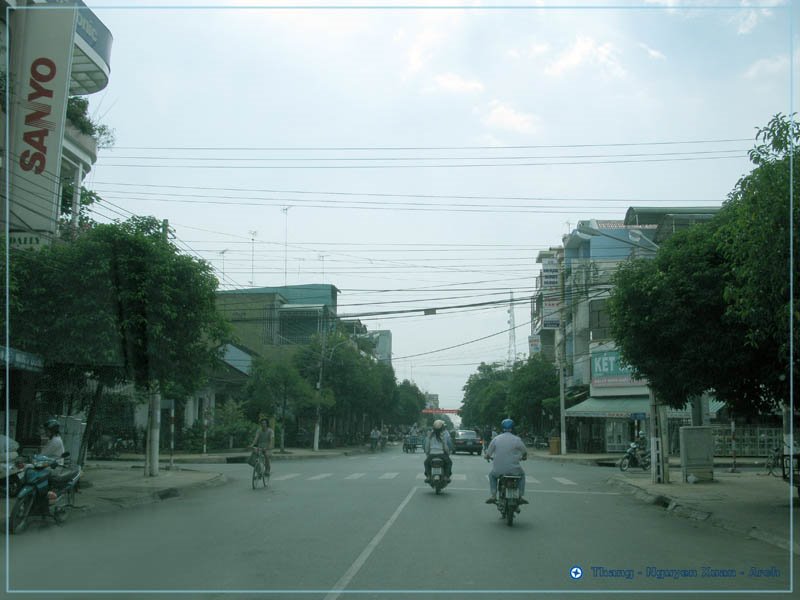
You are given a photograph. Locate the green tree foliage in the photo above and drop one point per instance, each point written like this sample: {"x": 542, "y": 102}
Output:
{"x": 78, "y": 115}
{"x": 409, "y": 402}
{"x": 711, "y": 310}
{"x": 273, "y": 383}
{"x": 670, "y": 321}
{"x": 755, "y": 241}
{"x": 532, "y": 382}
{"x": 119, "y": 304}
{"x": 486, "y": 400}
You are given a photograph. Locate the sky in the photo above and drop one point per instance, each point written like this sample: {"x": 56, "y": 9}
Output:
{"x": 420, "y": 158}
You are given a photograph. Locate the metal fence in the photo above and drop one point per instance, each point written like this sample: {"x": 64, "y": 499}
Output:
{"x": 751, "y": 440}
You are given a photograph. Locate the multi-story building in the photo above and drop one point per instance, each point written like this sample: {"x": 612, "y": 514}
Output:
{"x": 51, "y": 55}
{"x": 53, "y": 51}
{"x": 612, "y": 406}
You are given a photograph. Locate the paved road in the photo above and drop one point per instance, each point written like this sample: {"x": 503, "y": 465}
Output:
{"x": 369, "y": 523}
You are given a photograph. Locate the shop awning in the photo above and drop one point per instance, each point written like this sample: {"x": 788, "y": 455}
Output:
{"x": 612, "y": 407}
{"x": 630, "y": 407}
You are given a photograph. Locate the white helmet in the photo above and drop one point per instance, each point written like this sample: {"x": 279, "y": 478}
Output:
{"x": 438, "y": 424}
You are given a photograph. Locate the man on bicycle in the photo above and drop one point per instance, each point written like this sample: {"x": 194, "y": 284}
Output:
{"x": 264, "y": 441}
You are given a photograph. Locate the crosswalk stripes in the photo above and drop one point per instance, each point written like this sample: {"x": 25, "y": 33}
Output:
{"x": 564, "y": 481}
{"x": 392, "y": 475}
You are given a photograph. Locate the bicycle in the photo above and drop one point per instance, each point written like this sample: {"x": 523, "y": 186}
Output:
{"x": 260, "y": 471}
{"x": 774, "y": 462}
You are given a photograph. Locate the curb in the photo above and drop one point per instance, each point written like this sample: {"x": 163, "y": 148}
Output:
{"x": 686, "y": 511}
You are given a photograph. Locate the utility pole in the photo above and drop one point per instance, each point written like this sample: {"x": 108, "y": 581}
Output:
{"x": 222, "y": 254}
{"x": 512, "y": 340}
{"x": 253, "y": 235}
{"x": 154, "y": 402}
{"x": 285, "y": 210}
{"x": 562, "y": 361}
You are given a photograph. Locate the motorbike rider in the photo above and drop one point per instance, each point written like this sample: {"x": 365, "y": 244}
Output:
{"x": 438, "y": 443}
{"x": 264, "y": 441}
{"x": 54, "y": 447}
{"x": 507, "y": 450}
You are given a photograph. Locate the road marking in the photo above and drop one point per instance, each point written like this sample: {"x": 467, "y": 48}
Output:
{"x": 355, "y": 476}
{"x": 345, "y": 579}
{"x": 284, "y": 477}
{"x": 388, "y": 475}
{"x": 420, "y": 475}
{"x": 564, "y": 481}
{"x": 532, "y": 479}
{"x": 321, "y": 476}
{"x": 470, "y": 489}
{"x": 458, "y": 477}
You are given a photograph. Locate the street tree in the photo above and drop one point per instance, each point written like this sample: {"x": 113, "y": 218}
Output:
{"x": 485, "y": 400}
{"x": 119, "y": 304}
{"x": 533, "y": 381}
{"x": 711, "y": 311}
{"x": 755, "y": 242}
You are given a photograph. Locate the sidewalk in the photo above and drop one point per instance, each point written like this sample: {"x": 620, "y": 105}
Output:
{"x": 110, "y": 485}
{"x": 748, "y": 502}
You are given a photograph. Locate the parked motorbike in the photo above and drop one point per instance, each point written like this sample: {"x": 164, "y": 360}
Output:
{"x": 48, "y": 490}
{"x": 438, "y": 480}
{"x": 508, "y": 497}
{"x": 635, "y": 457}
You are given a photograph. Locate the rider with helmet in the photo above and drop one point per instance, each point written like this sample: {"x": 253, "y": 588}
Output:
{"x": 54, "y": 447}
{"x": 507, "y": 450}
{"x": 438, "y": 443}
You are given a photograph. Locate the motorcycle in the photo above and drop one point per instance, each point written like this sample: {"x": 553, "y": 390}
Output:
{"x": 438, "y": 480}
{"x": 508, "y": 497}
{"x": 410, "y": 443}
{"x": 47, "y": 490}
{"x": 635, "y": 457}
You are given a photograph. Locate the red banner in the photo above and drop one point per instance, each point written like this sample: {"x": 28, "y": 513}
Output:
{"x": 441, "y": 411}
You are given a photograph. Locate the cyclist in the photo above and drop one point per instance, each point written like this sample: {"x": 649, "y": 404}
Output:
{"x": 507, "y": 450}
{"x": 264, "y": 441}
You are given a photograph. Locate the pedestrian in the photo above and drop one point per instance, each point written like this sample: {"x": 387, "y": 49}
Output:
{"x": 374, "y": 436}
{"x": 264, "y": 441}
{"x": 506, "y": 450}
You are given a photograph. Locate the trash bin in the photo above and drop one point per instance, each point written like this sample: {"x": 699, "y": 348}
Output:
{"x": 555, "y": 445}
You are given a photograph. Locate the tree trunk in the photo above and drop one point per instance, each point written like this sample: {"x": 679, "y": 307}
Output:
{"x": 90, "y": 418}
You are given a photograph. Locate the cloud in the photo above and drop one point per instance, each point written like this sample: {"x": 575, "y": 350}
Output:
{"x": 767, "y": 67}
{"x": 538, "y": 49}
{"x": 586, "y": 51}
{"x": 749, "y": 17}
{"x": 502, "y": 116}
{"x": 654, "y": 54}
{"x": 450, "y": 82}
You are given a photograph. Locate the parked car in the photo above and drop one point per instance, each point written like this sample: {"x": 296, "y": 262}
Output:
{"x": 466, "y": 440}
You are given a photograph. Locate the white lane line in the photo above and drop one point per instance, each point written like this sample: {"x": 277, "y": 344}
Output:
{"x": 564, "y": 481}
{"x": 345, "y": 579}
{"x": 532, "y": 479}
{"x": 320, "y": 476}
{"x": 355, "y": 476}
{"x": 458, "y": 477}
{"x": 420, "y": 475}
{"x": 388, "y": 475}
{"x": 527, "y": 491}
{"x": 284, "y": 477}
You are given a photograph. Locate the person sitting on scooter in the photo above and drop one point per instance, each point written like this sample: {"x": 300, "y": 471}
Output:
{"x": 54, "y": 447}
{"x": 507, "y": 450}
{"x": 438, "y": 443}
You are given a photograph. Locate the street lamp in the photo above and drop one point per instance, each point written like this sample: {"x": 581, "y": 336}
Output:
{"x": 659, "y": 458}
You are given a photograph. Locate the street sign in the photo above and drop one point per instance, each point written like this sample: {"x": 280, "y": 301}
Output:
{"x": 638, "y": 416}
{"x": 439, "y": 411}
